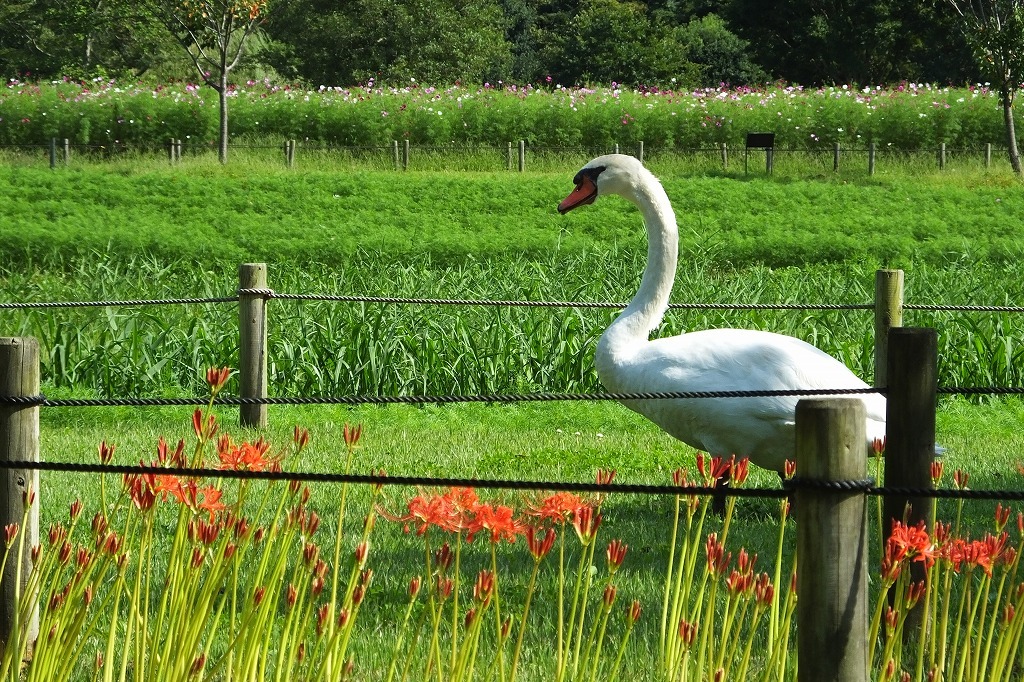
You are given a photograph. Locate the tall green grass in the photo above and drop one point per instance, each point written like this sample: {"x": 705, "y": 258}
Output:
{"x": 342, "y": 348}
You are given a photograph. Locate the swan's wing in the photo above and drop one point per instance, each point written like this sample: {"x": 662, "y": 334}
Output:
{"x": 761, "y": 428}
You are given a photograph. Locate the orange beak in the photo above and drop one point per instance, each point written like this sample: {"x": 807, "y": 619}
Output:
{"x": 585, "y": 193}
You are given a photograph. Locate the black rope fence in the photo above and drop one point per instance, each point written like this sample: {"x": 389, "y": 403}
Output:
{"x": 861, "y": 486}
{"x": 270, "y": 294}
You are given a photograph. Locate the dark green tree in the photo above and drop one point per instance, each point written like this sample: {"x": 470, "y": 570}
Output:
{"x": 434, "y": 41}
{"x": 616, "y": 40}
{"x": 720, "y": 55}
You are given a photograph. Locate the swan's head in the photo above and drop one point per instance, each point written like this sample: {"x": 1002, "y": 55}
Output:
{"x": 610, "y": 174}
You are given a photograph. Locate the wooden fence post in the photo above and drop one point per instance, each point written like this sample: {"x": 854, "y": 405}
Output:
{"x": 942, "y": 155}
{"x": 67, "y": 151}
{"x": 832, "y": 547}
{"x": 871, "y": 158}
{"x": 508, "y": 157}
{"x": 252, "y": 342}
{"x": 394, "y": 149}
{"x": 640, "y": 151}
{"x": 53, "y": 152}
{"x": 724, "y": 149}
{"x": 888, "y": 314}
{"x": 522, "y": 155}
{"x": 988, "y": 155}
{"x": 912, "y": 380}
{"x": 835, "y": 157}
{"x": 19, "y": 440}
{"x": 769, "y": 160}
{"x": 910, "y": 437}
{"x": 405, "y": 154}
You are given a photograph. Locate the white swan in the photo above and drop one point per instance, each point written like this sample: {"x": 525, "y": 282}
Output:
{"x": 628, "y": 361}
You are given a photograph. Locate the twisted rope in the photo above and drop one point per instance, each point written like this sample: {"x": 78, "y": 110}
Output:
{"x": 270, "y": 293}
{"x": 861, "y": 486}
{"x": 43, "y": 401}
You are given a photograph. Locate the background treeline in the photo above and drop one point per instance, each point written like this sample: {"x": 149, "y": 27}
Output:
{"x": 572, "y": 42}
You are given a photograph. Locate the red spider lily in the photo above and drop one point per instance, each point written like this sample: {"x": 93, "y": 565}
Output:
{"x": 740, "y": 470}
{"x": 106, "y": 452}
{"x": 1008, "y": 613}
{"x": 498, "y": 520}
{"x": 300, "y": 437}
{"x": 633, "y": 612}
{"x": 57, "y": 534}
{"x": 764, "y": 592}
{"x": 680, "y": 477}
{"x": 608, "y": 598}
{"x": 718, "y": 560}
{"x": 586, "y": 522}
{"x": 141, "y": 489}
{"x": 605, "y": 477}
{"x": 960, "y": 479}
{"x": 426, "y": 511}
{"x": 878, "y": 446}
{"x": 789, "y": 469}
{"x": 443, "y": 587}
{"x": 310, "y": 554}
{"x": 204, "y": 430}
{"x": 361, "y": 553}
{"x": 10, "y": 532}
{"x": 687, "y": 633}
{"x": 470, "y": 617}
{"x": 616, "y": 554}
{"x": 738, "y": 583}
{"x": 244, "y": 457}
{"x": 76, "y": 509}
{"x": 483, "y": 588}
{"x": 443, "y": 557}
{"x": 257, "y": 597}
{"x": 936, "y": 471}
{"x": 539, "y": 547}
{"x": 414, "y": 586}
{"x": 910, "y": 543}
{"x": 217, "y": 377}
{"x": 28, "y": 497}
{"x": 323, "y": 612}
{"x": 716, "y": 469}
{"x": 983, "y": 553}
{"x": 745, "y": 562}
{"x": 557, "y": 507}
{"x": 352, "y": 434}
{"x": 913, "y": 595}
{"x": 1002, "y": 516}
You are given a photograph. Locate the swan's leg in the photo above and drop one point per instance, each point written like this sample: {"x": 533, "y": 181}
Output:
{"x": 719, "y": 498}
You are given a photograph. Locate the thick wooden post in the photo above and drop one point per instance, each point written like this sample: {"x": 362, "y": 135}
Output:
{"x": 19, "y": 441}
{"x": 508, "y": 157}
{"x": 725, "y": 154}
{"x": 910, "y": 436}
{"x": 871, "y": 158}
{"x": 522, "y": 155}
{"x": 910, "y": 421}
{"x": 835, "y": 157}
{"x": 252, "y": 342}
{"x": 888, "y": 314}
{"x": 769, "y": 160}
{"x": 942, "y": 155}
{"x": 988, "y": 155}
{"x": 394, "y": 149}
{"x": 53, "y": 152}
{"x": 640, "y": 151}
{"x": 832, "y": 548}
{"x": 405, "y": 154}
{"x": 67, "y": 151}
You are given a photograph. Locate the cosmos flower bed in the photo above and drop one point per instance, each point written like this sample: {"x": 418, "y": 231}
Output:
{"x": 908, "y": 116}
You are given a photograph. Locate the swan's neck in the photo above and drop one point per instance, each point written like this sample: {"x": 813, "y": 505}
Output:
{"x": 645, "y": 312}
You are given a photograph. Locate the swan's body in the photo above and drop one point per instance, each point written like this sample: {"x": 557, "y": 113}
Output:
{"x": 628, "y": 361}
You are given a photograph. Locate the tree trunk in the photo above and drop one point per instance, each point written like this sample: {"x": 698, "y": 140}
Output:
{"x": 1011, "y": 132}
{"x": 223, "y": 92}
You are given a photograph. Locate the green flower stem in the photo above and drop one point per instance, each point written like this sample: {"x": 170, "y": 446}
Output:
{"x": 663, "y": 632}
{"x": 600, "y": 641}
{"x": 622, "y": 650}
{"x": 755, "y": 620}
{"x": 522, "y": 621}
{"x": 773, "y": 619}
{"x": 401, "y": 639}
{"x": 588, "y": 552}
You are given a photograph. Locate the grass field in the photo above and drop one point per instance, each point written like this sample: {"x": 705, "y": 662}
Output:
{"x": 142, "y": 230}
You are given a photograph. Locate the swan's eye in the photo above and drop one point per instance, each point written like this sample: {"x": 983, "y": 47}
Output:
{"x": 590, "y": 173}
